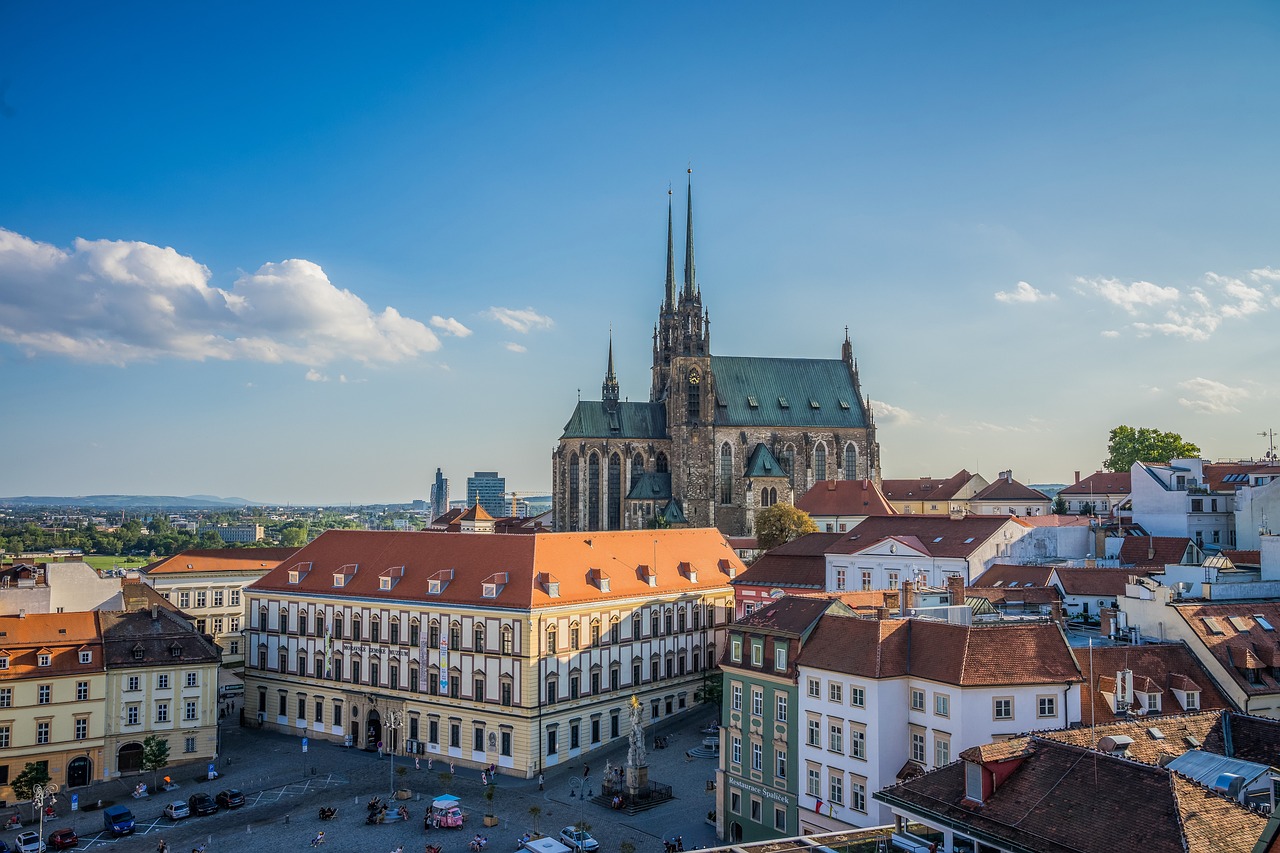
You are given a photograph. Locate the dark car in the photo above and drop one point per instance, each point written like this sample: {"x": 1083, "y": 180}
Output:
{"x": 231, "y": 799}
{"x": 202, "y": 804}
{"x": 63, "y": 839}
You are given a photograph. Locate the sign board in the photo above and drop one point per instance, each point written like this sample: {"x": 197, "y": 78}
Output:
{"x": 304, "y": 744}
{"x": 75, "y": 802}
{"x": 213, "y": 772}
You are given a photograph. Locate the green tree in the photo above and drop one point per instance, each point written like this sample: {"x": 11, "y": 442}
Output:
{"x": 1059, "y": 506}
{"x": 535, "y": 812}
{"x": 155, "y": 755}
{"x": 1127, "y": 445}
{"x": 712, "y": 690}
{"x": 781, "y": 523}
{"x": 24, "y": 784}
{"x": 294, "y": 535}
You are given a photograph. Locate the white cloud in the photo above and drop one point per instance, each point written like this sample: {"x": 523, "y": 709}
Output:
{"x": 116, "y": 301}
{"x": 515, "y": 347}
{"x": 1132, "y": 296}
{"x": 1210, "y": 397}
{"x": 450, "y": 326}
{"x": 1110, "y": 333}
{"x": 314, "y": 375}
{"x": 1024, "y": 293}
{"x": 887, "y": 413}
{"x": 520, "y": 320}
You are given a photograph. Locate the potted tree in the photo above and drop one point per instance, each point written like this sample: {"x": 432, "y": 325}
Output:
{"x": 535, "y": 812}
{"x": 490, "y": 819}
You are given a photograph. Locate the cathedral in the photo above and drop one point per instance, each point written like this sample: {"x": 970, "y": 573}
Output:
{"x": 720, "y": 437}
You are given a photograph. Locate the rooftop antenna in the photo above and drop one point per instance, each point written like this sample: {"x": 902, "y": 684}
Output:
{"x": 1270, "y": 436}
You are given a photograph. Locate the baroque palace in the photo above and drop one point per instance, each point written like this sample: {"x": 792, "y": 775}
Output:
{"x": 720, "y": 436}
{"x": 486, "y": 648}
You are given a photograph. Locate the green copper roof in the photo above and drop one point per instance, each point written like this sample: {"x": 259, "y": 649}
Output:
{"x": 673, "y": 514}
{"x": 631, "y": 420}
{"x": 651, "y": 486}
{"x": 786, "y": 392}
{"x": 763, "y": 464}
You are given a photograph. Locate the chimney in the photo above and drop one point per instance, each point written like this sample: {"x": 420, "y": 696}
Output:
{"x": 22, "y": 613}
{"x": 155, "y": 611}
{"x": 1055, "y": 613}
{"x": 1151, "y": 548}
{"x": 882, "y": 613}
{"x": 1077, "y": 477}
{"x": 831, "y": 485}
{"x": 955, "y": 589}
{"x": 908, "y": 599}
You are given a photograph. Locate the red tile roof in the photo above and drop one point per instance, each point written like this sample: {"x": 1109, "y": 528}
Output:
{"x": 925, "y": 488}
{"x": 1168, "y": 665}
{"x": 1216, "y": 472}
{"x": 798, "y": 564}
{"x": 1095, "y": 582}
{"x": 1153, "y": 550}
{"x": 1010, "y": 490}
{"x": 1218, "y": 626}
{"x": 1100, "y": 483}
{"x": 220, "y": 560}
{"x": 845, "y": 497}
{"x": 940, "y": 535}
{"x": 1057, "y": 520}
{"x": 1004, "y": 574}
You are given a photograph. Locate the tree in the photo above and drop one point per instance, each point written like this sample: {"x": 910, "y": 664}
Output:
{"x": 294, "y": 535}
{"x": 781, "y": 523}
{"x": 1059, "y": 506}
{"x": 535, "y": 812}
{"x": 155, "y": 755}
{"x": 1127, "y": 445}
{"x": 24, "y": 784}
{"x": 488, "y": 796}
{"x": 712, "y": 690}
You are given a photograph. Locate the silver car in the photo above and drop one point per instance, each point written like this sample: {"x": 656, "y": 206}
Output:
{"x": 177, "y": 810}
{"x": 577, "y": 839}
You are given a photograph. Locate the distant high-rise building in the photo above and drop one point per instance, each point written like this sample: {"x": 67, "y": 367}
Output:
{"x": 490, "y": 490}
{"x": 439, "y": 495}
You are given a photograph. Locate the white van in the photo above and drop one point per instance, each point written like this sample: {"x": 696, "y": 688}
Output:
{"x": 227, "y": 691}
{"x": 544, "y": 845}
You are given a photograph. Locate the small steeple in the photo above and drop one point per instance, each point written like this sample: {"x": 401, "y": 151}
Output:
{"x": 846, "y": 349}
{"x": 670, "y": 304}
{"x": 609, "y": 388}
{"x": 690, "y": 276}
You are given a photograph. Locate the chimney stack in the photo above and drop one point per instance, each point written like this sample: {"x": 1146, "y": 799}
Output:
{"x": 955, "y": 589}
{"x": 882, "y": 613}
{"x": 1077, "y": 476}
{"x": 908, "y": 598}
{"x": 155, "y": 611}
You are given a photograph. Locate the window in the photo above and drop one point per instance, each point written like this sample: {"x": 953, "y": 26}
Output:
{"x": 866, "y": 579}
{"x": 415, "y": 632}
{"x": 235, "y": 598}
{"x": 973, "y": 781}
{"x": 813, "y": 782}
{"x": 131, "y": 715}
{"x": 1002, "y": 708}
{"x": 6, "y": 697}
{"x": 1046, "y": 706}
{"x": 575, "y": 637}
{"x": 193, "y": 679}
{"x": 857, "y": 743}
{"x": 455, "y": 735}
{"x": 858, "y": 796}
{"x": 780, "y": 818}
{"x": 82, "y": 691}
{"x": 835, "y": 787}
{"x": 917, "y": 747}
{"x": 42, "y": 732}
{"x": 815, "y": 688}
{"x": 551, "y": 742}
{"x": 857, "y": 697}
{"x": 917, "y": 700}
{"x": 735, "y": 802}
{"x": 835, "y": 692}
{"x": 942, "y": 704}
{"x": 551, "y": 638}
{"x": 162, "y": 712}
{"x": 375, "y": 630}
{"x": 820, "y": 462}
{"x": 477, "y": 738}
{"x": 781, "y": 713}
{"x": 44, "y": 694}
{"x": 780, "y": 763}
{"x": 615, "y": 630}
{"x": 755, "y": 809}
{"x": 840, "y": 579}
{"x": 506, "y": 744}
{"x": 941, "y": 751}
{"x": 737, "y": 697}
{"x": 217, "y": 598}
{"x": 726, "y": 473}
{"x": 504, "y": 693}
{"x": 189, "y": 744}
{"x": 757, "y": 653}
{"x": 815, "y": 733}
{"x": 190, "y": 712}
{"x": 4, "y": 737}
{"x": 757, "y": 757}
{"x": 184, "y": 600}
{"x": 835, "y": 737}
{"x": 81, "y": 730}
{"x": 780, "y": 657}
{"x": 735, "y": 750}
{"x": 86, "y": 657}
{"x": 202, "y": 599}
{"x": 757, "y": 702}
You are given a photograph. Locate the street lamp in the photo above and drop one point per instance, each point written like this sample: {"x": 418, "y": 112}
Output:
{"x": 37, "y": 800}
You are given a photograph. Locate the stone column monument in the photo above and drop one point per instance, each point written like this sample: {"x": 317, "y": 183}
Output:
{"x": 637, "y": 768}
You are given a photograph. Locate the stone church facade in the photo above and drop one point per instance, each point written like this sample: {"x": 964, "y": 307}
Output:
{"x": 719, "y": 438}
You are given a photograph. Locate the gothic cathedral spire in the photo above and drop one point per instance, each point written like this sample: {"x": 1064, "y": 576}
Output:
{"x": 690, "y": 277}
{"x": 609, "y": 388}
{"x": 670, "y": 304}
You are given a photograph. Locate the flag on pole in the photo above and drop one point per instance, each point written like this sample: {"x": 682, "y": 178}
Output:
{"x": 817, "y": 807}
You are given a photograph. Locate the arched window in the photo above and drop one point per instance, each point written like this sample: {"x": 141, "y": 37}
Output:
{"x": 575, "y": 636}
{"x": 552, "y": 646}
{"x": 302, "y": 664}
{"x": 851, "y": 461}
{"x": 593, "y": 492}
{"x": 668, "y": 621}
{"x": 681, "y": 618}
{"x": 575, "y": 523}
{"x": 788, "y": 461}
{"x": 693, "y": 400}
{"x": 393, "y": 634}
{"x": 773, "y": 495}
{"x": 820, "y": 462}
{"x": 375, "y": 630}
{"x": 615, "y": 492}
{"x": 635, "y": 626}
{"x": 595, "y": 631}
{"x": 262, "y": 618}
{"x": 455, "y": 635}
{"x": 637, "y": 466}
{"x": 337, "y": 626}
{"x": 477, "y": 638}
{"x": 508, "y": 640}
{"x": 357, "y": 629}
{"x": 319, "y": 632}
{"x": 764, "y": 498}
{"x": 284, "y": 620}
{"x": 615, "y": 630}
{"x": 726, "y": 473}
{"x": 660, "y": 463}
{"x": 433, "y": 634}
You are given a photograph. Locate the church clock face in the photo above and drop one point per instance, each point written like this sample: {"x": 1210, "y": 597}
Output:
{"x": 694, "y": 378}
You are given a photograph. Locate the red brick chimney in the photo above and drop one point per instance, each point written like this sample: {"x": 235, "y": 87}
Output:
{"x": 1077, "y": 476}
{"x": 908, "y": 599}
{"x": 955, "y": 589}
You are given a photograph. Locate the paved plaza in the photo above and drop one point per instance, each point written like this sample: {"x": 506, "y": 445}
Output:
{"x": 284, "y": 790}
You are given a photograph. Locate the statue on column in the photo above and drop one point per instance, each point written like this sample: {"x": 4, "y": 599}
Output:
{"x": 636, "y": 754}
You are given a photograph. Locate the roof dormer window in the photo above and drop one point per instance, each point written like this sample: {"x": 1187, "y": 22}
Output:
{"x": 86, "y": 656}
{"x": 4, "y": 660}
{"x": 44, "y": 659}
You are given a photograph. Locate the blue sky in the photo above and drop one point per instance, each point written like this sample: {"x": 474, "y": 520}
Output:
{"x": 310, "y": 253}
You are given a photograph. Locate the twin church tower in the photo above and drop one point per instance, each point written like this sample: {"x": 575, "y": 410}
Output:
{"x": 720, "y": 437}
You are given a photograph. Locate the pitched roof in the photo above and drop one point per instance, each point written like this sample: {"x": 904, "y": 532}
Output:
{"x": 1216, "y": 474}
{"x": 1234, "y": 635}
{"x": 1023, "y": 595}
{"x": 1053, "y": 520}
{"x": 816, "y": 392}
{"x": 590, "y": 419}
{"x": 1055, "y": 801}
{"x": 60, "y": 635}
{"x": 1100, "y": 582}
{"x": 257, "y": 560}
{"x": 940, "y": 535}
{"x": 762, "y": 463}
{"x": 1168, "y": 665}
{"x": 798, "y": 563}
{"x": 925, "y": 488}
{"x": 845, "y": 497}
{"x": 651, "y": 486}
{"x": 791, "y": 614}
{"x": 1100, "y": 483}
{"x": 464, "y": 564}
{"x": 1006, "y": 574}
{"x": 162, "y": 637}
{"x": 1009, "y": 489}
{"x": 1180, "y": 732}
{"x": 1153, "y": 550}
{"x": 964, "y": 655}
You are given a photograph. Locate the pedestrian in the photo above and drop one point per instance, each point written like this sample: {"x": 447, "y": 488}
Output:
{"x": 451, "y": 771}
{"x": 430, "y": 761}
{"x": 484, "y": 778}
{"x": 586, "y": 770}
{"x": 161, "y": 847}
{"x": 680, "y": 843}
{"x": 539, "y": 781}
{"x": 416, "y": 765}
{"x": 318, "y": 840}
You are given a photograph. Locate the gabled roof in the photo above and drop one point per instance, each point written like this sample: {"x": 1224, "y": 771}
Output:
{"x": 590, "y": 419}
{"x": 925, "y": 488}
{"x": 791, "y": 614}
{"x": 651, "y": 486}
{"x": 1055, "y": 801}
{"x": 1218, "y": 627}
{"x": 251, "y": 560}
{"x": 1003, "y": 575}
{"x": 798, "y": 563}
{"x": 163, "y": 636}
{"x": 963, "y": 655}
{"x": 1009, "y": 489}
{"x": 845, "y": 497}
{"x": 1098, "y": 582}
{"x": 1154, "y": 550}
{"x": 788, "y": 392}
{"x": 1024, "y": 595}
{"x": 673, "y": 513}
{"x": 762, "y": 463}
{"x": 942, "y": 536}
{"x": 1101, "y": 483}
{"x": 1169, "y": 665}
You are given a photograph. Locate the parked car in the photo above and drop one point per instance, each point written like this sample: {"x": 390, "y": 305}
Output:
{"x": 63, "y": 839}
{"x": 177, "y": 810}
{"x": 29, "y": 842}
{"x": 117, "y": 820}
{"x": 202, "y": 804}
{"x": 4, "y": 848}
{"x": 230, "y": 799}
{"x": 577, "y": 839}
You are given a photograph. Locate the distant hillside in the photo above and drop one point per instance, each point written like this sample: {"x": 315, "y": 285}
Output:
{"x": 130, "y": 501}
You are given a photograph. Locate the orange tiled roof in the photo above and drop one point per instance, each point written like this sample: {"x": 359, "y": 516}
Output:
{"x": 1153, "y": 550}
{"x": 1218, "y": 627}
{"x": 220, "y": 560}
{"x": 845, "y": 497}
{"x": 925, "y": 488}
{"x": 1100, "y": 483}
{"x": 939, "y": 535}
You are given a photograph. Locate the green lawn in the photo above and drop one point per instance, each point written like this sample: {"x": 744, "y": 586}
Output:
{"x": 109, "y": 562}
